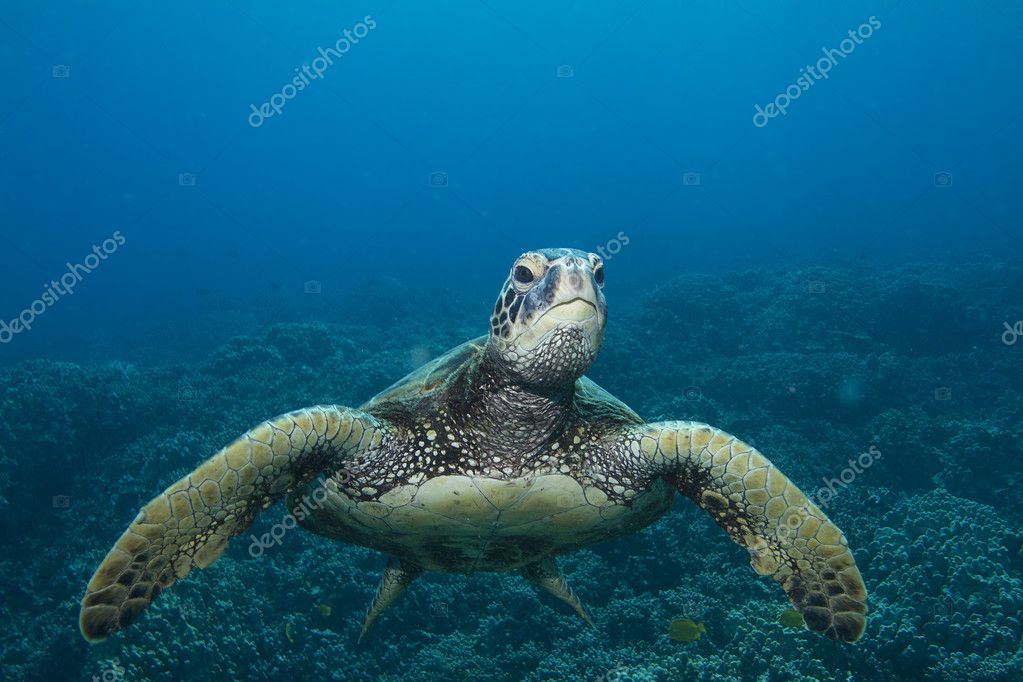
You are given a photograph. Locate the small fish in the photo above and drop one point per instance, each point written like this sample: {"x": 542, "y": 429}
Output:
{"x": 791, "y": 618}
{"x": 324, "y": 610}
{"x": 685, "y": 630}
{"x": 287, "y": 632}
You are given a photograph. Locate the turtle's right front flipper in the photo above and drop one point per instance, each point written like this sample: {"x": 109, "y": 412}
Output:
{"x": 788, "y": 536}
{"x": 191, "y": 522}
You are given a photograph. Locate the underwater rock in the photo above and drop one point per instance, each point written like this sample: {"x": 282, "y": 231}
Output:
{"x": 240, "y": 353}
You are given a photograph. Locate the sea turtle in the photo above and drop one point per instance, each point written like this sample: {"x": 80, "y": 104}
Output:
{"x": 498, "y": 456}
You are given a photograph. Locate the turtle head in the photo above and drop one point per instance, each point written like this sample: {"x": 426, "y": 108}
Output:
{"x": 548, "y": 324}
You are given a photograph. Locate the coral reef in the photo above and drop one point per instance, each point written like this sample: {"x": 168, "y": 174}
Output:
{"x": 812, "y": 367}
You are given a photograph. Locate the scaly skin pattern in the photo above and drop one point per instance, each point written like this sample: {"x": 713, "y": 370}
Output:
{"x": 190, "y": 523}
{"x": 788, "y": 537}
{"x": 452, "y": 494}
{"x": 498, "y": 456}
{"x": 597, "y": 479}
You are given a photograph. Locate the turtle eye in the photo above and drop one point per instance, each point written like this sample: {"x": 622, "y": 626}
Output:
{"x": 526, "y": 271}
{"x": 524, "y": 275}
{"x": 598, "y": 275}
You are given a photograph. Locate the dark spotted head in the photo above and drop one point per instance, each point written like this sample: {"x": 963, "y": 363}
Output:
{"x": 548, "y": 324}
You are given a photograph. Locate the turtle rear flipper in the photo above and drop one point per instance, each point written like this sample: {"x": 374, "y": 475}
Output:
{"x": 787, "y": 536}
{"x": 546, "y": 574}
{"x": 397, "y": 577}
{"x": 191, "y": 522}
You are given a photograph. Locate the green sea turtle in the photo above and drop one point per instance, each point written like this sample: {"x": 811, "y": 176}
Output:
{"x": 498, "y": 456}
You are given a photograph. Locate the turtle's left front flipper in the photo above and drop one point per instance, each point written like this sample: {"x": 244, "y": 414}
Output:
{"x": 788, "y": 537}
{"x": 190, "y": 523}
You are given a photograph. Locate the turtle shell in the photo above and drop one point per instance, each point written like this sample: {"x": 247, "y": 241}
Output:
{"x": 417, "y": 391}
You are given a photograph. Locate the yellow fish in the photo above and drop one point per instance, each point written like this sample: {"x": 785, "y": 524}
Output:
{"x": 685, "y": 630}
{"x": 791, "y": 618}
{"x": 325, "y": 610}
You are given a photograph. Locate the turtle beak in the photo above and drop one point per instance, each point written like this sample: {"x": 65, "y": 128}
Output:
{"x": 577, "y": 314}
{"x": 549, "y": 329}
{"x": 576, "y": 304}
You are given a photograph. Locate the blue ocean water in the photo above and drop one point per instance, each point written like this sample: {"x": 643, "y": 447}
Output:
{"x": 216, "y": 212}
